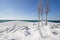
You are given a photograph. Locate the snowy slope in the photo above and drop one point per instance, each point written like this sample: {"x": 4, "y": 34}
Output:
{"x": 18, "y": 30}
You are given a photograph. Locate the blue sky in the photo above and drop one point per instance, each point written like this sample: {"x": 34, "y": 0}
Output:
{"x": 27, "y": 9}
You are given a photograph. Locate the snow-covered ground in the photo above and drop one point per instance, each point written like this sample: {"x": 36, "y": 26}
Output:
{"x": 19, "y": 30}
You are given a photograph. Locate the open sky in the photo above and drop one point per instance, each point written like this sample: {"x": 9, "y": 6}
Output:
{"x": 27, "y": 9}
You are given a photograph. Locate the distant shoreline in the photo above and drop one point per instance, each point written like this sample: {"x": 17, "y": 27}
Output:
{"x": 55, "y": 21}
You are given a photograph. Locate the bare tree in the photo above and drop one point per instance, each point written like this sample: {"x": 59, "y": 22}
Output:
{"x": 47, "y": 9}
{"x": 40, "y": 12}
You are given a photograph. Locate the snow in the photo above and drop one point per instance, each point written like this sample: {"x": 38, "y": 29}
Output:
{"x": 19, "y": 30}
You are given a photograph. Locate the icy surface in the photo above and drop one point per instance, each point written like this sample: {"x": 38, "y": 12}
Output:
{"x": 28, "y": 31}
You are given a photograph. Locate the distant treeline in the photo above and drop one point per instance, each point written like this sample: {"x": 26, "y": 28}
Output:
{"x": 56, "y": 21}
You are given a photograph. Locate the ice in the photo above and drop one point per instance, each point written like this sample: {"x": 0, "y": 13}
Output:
{"x": 27, "y": 31}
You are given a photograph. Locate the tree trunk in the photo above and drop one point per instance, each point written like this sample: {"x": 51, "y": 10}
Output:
{"x": 39, "y": 20}
{"x": 46, "y": 19}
